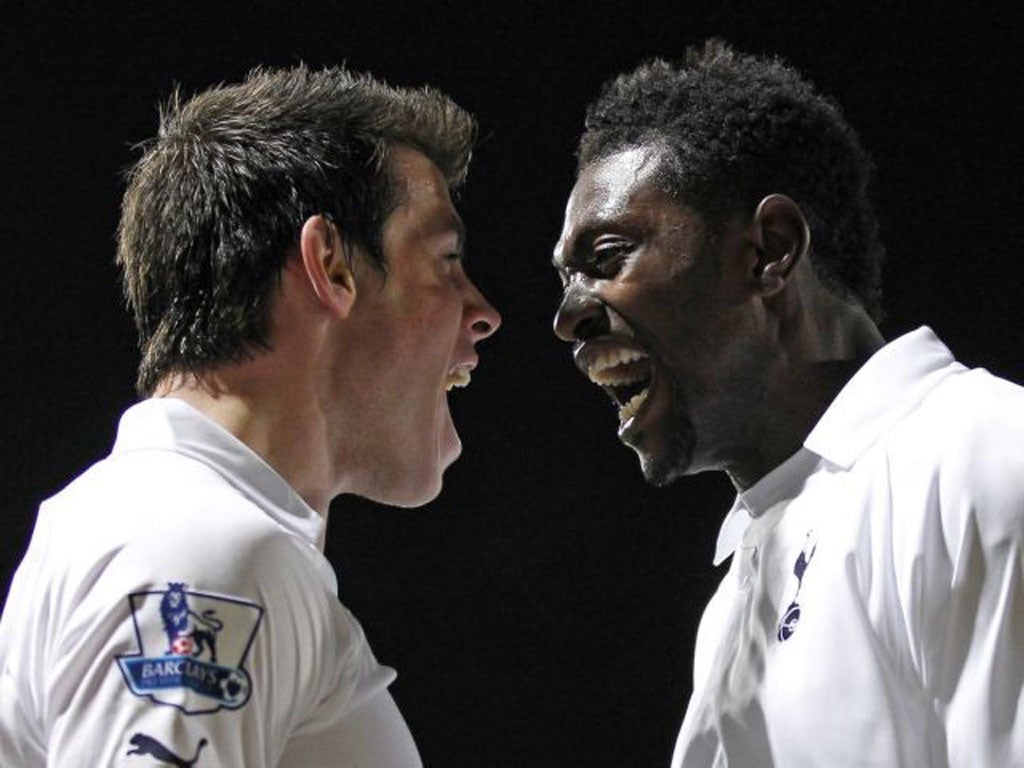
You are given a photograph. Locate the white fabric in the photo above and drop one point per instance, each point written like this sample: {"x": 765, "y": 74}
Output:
{"x": 290, "y": 681}
{"x": 904, "y": 514}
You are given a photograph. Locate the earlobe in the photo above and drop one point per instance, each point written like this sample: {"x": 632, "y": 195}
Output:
{"x": 781, "y": 238}
{"x": 326, "y": 265}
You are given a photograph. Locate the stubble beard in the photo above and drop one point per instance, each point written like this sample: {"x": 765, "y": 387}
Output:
{"x": 676, "y": 459}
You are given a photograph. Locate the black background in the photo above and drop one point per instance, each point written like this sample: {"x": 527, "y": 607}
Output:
{"x": 542, "y": 610}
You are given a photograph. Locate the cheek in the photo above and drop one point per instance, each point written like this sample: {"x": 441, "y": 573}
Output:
{"x": 674, "y": 322}
{"x": 429, "y": 331}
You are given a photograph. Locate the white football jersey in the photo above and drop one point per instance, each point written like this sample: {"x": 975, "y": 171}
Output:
{"x": 174, "y": 603}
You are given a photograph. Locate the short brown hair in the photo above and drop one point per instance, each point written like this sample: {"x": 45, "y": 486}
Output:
{"x": 221, "y": 193}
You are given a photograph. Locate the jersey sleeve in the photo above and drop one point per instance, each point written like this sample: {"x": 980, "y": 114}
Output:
{"x": 219, "y": 646}
{"x": 972, "y": 625}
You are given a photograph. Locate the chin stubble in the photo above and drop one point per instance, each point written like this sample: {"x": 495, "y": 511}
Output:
{"x": 675, "y": 460}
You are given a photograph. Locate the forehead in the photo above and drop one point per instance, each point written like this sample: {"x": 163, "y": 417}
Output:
{"x": 423, "y": 203}
{"x": 612, "y": 191}
{"x": 608, "y": 184}
{"x": 415, "y": 175}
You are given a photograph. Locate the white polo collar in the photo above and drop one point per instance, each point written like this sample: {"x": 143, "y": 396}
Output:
{"x": 173, "y": 425}
{"x": 783, "y": 482}
{"x": 887, "y": 387}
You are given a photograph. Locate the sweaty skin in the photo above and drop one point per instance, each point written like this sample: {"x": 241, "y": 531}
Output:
{"x": 744, "y": 345}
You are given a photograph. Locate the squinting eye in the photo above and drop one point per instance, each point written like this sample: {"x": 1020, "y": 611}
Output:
{"x": 452, "y": 262}
{"x": 607, "y": 259}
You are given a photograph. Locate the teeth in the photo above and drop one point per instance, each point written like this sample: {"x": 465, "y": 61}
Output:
{"x": 629, "y": 410}
{"x": 612, "y": 357}
{"x": 457, "y": 377}
{"x": 620, "y": 366}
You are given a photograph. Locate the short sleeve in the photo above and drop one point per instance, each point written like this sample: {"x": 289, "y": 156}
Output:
{"x": 165, "y": 638}
{"x": 974, "y": 639}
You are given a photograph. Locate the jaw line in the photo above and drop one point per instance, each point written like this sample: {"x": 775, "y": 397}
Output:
{"x": 445, "y": 420}
{"x": 676, "y": 459}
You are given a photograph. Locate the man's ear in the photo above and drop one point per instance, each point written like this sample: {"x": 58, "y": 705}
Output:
{"x": 326, "y": 264}
{"x": 782, "y": 239}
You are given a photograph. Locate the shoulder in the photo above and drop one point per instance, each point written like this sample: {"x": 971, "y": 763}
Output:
{"x": 977, "y": 441}
{"x": 968, "y": 432}
{"x": 956, "y": 467}
{"x": 979, "y": 398}
{"x": 153, "y": 525}
{"x": 155, "y": 507}
{"x": 142, "y": 479}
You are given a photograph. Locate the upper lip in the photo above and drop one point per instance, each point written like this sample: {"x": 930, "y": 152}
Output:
{"x": 469, "y": 363}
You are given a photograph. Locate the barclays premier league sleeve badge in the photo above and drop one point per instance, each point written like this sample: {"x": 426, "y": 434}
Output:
{"x": 192, "y": 649}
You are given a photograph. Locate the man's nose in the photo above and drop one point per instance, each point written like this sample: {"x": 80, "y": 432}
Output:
{"x": 581, "y": 315}
{"x": 479, "y": 317}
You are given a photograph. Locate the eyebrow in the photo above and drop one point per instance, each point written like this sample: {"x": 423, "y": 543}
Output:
{"x": 584, "y": 235}
{"x": 559, "y": 262}
{"x": 450, "y": 223}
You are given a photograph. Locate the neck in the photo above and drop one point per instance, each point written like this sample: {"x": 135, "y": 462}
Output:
{"x": 822, "y": 346}
{"x": 279, "y": 424}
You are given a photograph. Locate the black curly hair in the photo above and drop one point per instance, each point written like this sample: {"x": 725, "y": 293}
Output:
{"x": 733, "y": 128}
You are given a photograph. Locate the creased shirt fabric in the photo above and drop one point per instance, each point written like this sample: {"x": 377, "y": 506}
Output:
{"x": 174, "y": 605}
{"x": 873, "y": 612}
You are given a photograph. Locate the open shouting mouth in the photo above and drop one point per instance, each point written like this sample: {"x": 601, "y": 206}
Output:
{"x": 624, "y": 373}
{"x": 458, "y": 376}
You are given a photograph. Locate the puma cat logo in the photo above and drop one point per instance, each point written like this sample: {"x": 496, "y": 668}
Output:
{"x": 147, "y": 745}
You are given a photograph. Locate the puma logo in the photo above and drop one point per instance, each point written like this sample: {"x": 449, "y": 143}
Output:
{"x": 147, "y": 745}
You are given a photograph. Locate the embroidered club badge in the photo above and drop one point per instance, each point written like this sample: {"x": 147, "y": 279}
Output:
{"x": 791, "y": 617}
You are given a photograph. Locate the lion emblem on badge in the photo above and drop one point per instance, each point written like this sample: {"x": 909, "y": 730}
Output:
{"x": 188, "y": 633}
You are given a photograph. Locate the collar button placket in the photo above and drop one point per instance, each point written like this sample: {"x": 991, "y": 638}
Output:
{"x": 747, "y": 570}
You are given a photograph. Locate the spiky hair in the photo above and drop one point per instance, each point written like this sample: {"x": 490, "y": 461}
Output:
{"x": 219, "y": 196}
